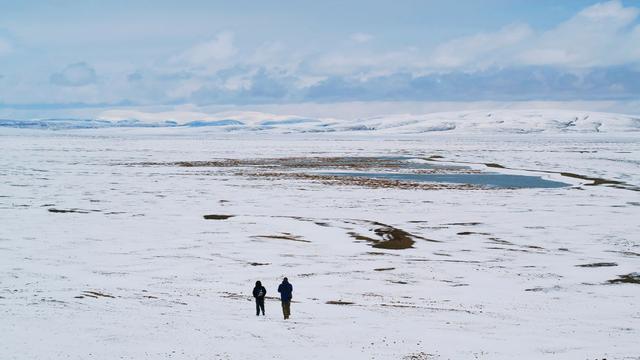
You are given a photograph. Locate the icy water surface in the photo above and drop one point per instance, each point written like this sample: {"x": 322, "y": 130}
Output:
{"x": 493, "y": 180}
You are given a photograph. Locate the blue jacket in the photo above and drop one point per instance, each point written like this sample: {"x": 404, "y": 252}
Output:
{"x": 286, "y": 291}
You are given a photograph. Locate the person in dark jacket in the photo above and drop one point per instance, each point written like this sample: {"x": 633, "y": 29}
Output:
{"x": 259, "y": 293}
{"x": 286, "y": 293}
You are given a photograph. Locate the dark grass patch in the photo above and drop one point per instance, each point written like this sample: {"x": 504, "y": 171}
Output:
{"x": 420, "y": 356}
{"x": 217, "y": 217}
{"x": 441, "y": 254}
{"x": 283, "y": 236}
{"x": 384, "y": 269}
{"x": 339, "y": 302}
{"x": 399, "y": 306}
{"x": 507, "y": 249}
{"x": 62, "y": 211}
{"x": 600, "y": 264}
{"x": 96, "y": 294}
{"x": 500, "y": 241}
{"x": 389, "y": 237}
{"x": 471, "y": 233}
{"x": 632, "y": 278}
{"x": 494, "y": 165}
{"x": 376, "y": 253}
{"x": 445, "y": 260}
{"x": 626, "y": 253}
{"x": 594, "y": 181}
{"x": 472, "y": 223}
{"x": 393, "y": 239}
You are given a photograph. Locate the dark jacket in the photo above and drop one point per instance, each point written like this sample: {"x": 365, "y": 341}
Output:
{"x": 286, "y": 290}
{"x": 257, "y": 290}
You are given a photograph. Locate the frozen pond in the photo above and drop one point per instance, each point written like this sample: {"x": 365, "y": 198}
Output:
{"x": 492, "y": 180}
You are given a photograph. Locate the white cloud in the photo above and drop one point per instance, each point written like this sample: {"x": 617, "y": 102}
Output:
{"x": 184, "y": 89}
{"x": 470, "y": 52}
{"x": 363, "y": 64}
{"x": 235, "y": 83}
{"x": 275, "y": 56}
{"x": 268, "y": 52}
{"x": 220, "y": 70}
{"x": 361, "y": 37}
{"x": 480, "y": 49}
{"x": 609, "y": 11}
{"x": 7, "y": 42}
{"x": 210, "y": 55}
{"x": 78, "y": 74}
{"x": 599, "y": 35}
{"x": 5, "y": 46}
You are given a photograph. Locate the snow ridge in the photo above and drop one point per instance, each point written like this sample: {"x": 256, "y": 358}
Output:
{"x": 500, "y": 121}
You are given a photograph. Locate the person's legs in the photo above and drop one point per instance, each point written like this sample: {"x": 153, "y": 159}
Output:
{"x": 262, "y": 305}
{"x": 257, "y": 307}
{"x": 286, "y": 309}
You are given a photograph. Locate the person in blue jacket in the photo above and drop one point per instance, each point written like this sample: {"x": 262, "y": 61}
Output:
{"x": 286, "y": 293}
{"x": 259, "y": 293}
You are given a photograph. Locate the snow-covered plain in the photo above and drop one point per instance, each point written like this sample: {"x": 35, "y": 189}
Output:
{"x": 104, "y": 257}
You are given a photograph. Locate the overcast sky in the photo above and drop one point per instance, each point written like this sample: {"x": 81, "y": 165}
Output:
{"x": 65, "y": 55}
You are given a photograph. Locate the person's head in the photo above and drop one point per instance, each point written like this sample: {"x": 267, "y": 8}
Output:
{"x": 258, "y": 283}
{"x": 285, "y": 280}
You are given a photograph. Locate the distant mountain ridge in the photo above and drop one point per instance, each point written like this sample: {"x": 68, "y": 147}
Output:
{"x": 499, "y": 121}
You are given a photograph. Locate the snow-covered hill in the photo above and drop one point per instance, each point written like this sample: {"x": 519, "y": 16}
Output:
{"x": 500, "y": 121}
